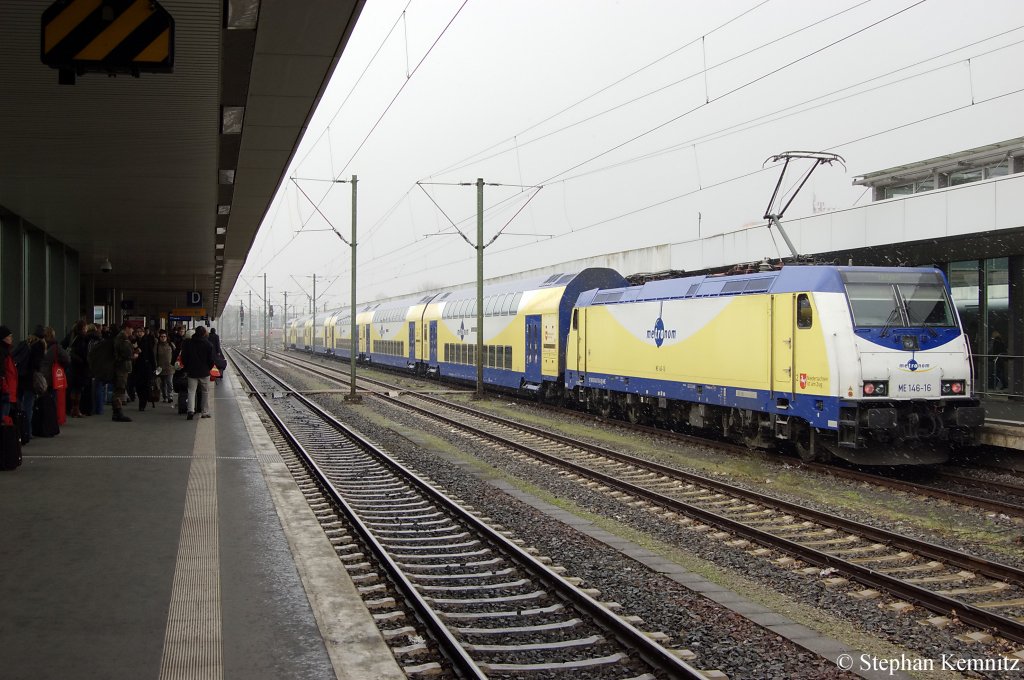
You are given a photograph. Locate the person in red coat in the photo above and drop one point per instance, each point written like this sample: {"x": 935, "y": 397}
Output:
{"x": 54, "y": 368}
{"x": 8, "y": 376}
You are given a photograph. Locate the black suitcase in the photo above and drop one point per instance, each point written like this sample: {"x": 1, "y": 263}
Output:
{"x": 44, "y": 421}
{"x": 183, "y": 401}
{"x": 20, "y": 419}
{"x": 10, "y": 447}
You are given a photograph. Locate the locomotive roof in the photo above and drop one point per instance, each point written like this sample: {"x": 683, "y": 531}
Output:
{"x": 790, "y": 279}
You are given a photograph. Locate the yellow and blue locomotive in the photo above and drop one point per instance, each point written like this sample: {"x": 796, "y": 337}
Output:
{"x": 865, "y": 363}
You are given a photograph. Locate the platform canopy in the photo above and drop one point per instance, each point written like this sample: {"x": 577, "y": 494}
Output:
{"x": 166, "y": 175}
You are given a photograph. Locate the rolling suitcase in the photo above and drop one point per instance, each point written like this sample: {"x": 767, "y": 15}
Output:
{"x": 183, "y": 401}
{"x": 21, "y": 424}
{"x": 44, "y": 422}
{"x": 10, "y": 447}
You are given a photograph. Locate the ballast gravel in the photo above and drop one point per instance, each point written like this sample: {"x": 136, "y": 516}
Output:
{"x": 720, "y": 638}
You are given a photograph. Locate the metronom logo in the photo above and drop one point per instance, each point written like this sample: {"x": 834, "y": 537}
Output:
{"x": 659, "y": 333}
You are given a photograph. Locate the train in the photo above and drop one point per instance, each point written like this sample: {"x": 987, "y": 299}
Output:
{"x": 866, "y": 364}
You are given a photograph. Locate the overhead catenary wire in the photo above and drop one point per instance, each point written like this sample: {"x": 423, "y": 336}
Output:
{"x": 459, "y": 164}
{"x": 835, "y": 146}
{"x": 734, "y": 90}
{"x": 742, "y": 86}
{"x": 394, "y": 98}
{"x": 565, "y": 179}
{"x": 337, "y": 112}
{"x": 774, "y": 41}
{"x": 772, "y": 117}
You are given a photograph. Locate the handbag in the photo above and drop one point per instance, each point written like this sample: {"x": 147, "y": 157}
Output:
{"x": 214, "y": 373}
{"x": 38, "y": 382}
{"x": 60, "y": 378}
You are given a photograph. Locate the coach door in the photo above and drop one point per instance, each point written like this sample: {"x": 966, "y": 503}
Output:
{"x": 366, "y": 339}
{"x": 782, "y": 345}
{"x": 533, "y": 347}
{"x": 433, "y": 343}
{"x": 412, "y": 341}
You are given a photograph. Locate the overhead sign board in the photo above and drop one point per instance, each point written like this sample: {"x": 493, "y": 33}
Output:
{"x": 107, "y": 36}
{"x": 194, "y": 298}
{"x": 189, "y": 312}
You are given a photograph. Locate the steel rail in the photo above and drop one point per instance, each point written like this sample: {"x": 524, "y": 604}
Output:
{"x": 836, "y": 471}
{"x": 451, "y": 648}
{"x": 655, "y": 655}
{"x": 967, "y": 613}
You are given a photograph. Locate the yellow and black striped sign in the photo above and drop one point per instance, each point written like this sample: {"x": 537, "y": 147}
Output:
{"x": 118, "y": 36}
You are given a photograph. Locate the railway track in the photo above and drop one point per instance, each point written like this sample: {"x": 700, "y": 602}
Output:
{"x": 1006, "y": 499}
{"x": 981, "y": 593}
{"x": 487, "y": 605}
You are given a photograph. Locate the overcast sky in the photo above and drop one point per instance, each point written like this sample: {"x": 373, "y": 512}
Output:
{"x": 646, "y": 122}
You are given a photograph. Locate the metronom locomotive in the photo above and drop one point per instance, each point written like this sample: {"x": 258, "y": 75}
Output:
{"x": 868, "y": 364}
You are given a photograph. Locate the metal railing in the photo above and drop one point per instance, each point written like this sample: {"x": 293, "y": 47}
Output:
{"x": 999, "y": 376}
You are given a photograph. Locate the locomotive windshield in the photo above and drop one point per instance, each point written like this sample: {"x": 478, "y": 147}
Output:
{"x": 904, "y": 299}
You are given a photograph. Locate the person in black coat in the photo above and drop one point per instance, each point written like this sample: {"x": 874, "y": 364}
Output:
{"x": 143, "y": 373}
{"x": 26, "y": 382}
{"x": 198, "y": 359}
{"x": 215, "y": 341}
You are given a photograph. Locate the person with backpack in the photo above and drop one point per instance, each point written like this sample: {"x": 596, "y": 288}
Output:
{"x": 124, "y": 357}
{"x": 8, "y": 375}
{"x": 28, "y": 356}
{"x": 101, "y": 366}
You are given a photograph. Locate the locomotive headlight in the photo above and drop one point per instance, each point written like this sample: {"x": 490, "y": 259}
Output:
{"x": 953, "y": 387}
{"x": 876, "y": 388}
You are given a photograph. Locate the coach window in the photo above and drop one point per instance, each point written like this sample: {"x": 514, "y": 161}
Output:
{"x": 804, "y": 313}
{"x": 515, "y": 303}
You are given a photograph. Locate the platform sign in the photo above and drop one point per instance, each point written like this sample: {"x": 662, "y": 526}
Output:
{"x": 194, "y": 298}
{"x": 189, "y": 312}
{"x": 106, "y": 36}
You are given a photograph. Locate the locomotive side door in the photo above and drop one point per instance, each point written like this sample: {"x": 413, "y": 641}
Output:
{"x": 579, "y": 322}
{"x": 533, "y": 344}
{"x": 782, "y": 344}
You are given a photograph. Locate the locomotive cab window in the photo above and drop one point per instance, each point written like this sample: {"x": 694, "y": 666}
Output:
{"x": 804, "y": 313}
{"x": 903, "y": 299}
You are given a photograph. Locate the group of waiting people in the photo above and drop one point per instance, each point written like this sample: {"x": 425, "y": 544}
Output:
{"x": 138, "y": 363}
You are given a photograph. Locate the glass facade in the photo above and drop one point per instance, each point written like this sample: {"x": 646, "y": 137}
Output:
{"x": 981, "y": 292}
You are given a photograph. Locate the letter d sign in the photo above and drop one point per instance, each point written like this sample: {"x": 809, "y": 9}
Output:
{"x": 195, "y": 298}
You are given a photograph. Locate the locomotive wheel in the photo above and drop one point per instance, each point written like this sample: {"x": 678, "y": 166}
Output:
{"x": 805, "y": 450}
{"x": 604, "y": 407}
{"x": 633, "y": 413}
{"x": 808, "y": 449}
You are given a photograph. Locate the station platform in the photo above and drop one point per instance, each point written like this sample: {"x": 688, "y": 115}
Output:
{"x": 167, "y": 548}
{"x": 1004, "y": 424}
